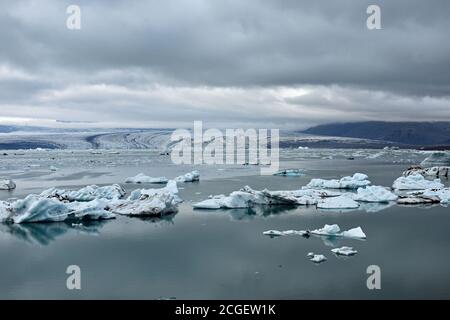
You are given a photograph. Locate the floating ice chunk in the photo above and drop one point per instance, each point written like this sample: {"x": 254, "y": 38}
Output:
{"x": 273, "y": 233}
{"x": 317, "y": 258}
{"x": 433, "y": 171}
{"x": 53, "y": 168}
{"x": 92, "y": 210}
{"x": 142, "y": 178}
{"x": 344, "y": 251}
{"x": 374, "y": 194}
{"x": 149, "y": 202}
{"x": 7, "y": 184}
{"x": 88, "y": 193}
{"x": 437, "y": 159}
{"x": 356, "y": 181}
{"x": 289, "y": 173}
{"x": 416, "y": 182}
{"x": 247, "y": 197}
{"x": 341, "y": 202}
{"x": 189, "y": 177}
{"x": 37, "y": 209}
{"x": 427, "y": 196}
{"x": 334, "y": 231}
{"x": 276, "y": 233}
{"x": 303, "y": 148}
{"x": 356, "y": 233}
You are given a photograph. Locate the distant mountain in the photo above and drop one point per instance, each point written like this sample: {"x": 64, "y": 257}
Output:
{"x": 408, "y": 133}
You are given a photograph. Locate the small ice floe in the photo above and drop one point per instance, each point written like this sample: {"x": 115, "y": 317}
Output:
{"x": 340, "y": 202}
{"x": 88, "y": 193}
{"x": 344, "y": 251}
{"x": 354, "y": 182}
{"x": 437, "y": 159}
{"x": 53, "y": 168}
{"x": 289, "y": 173}
{"x": 189, "y": 177}
{"x": 7, "y": 184}
{"x": 316, "y": 258}
{"x": 276, "y": 233}
{"x": 416, "y": 182}
{"x": 334, "y": 231}
{"x": 142, "y": 178}
{"x": 374, "y": 194}
{"x": 303, "y": 148}
{"x": 430, "y": 172}
{"x": 428, "y": 196}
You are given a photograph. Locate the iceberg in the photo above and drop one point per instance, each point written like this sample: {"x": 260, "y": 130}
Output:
{"x": 354, "y": 182}
{"x": 334, "y": 231}
{"x": 437, "y": 159}
{"x": 149, "y": 202}
{"x": 142, "y": 178}
{"x": 374, "y": 194}
{"x": 317, "y": 258}
{"x": 247, "y": 197}
{"x": 416, "y": 182}
{"x": 431, "y": 172}
{"x": 88, "y": 193}
{"x": 344, "y": 251}
{"x": 7, "y": 184}
{"x": 427, "y": 196}
{"x": 289, "y": 173}
{"x": 340, "y": 202}
{"x": 38, "y": 209}
{"x": 189, "y": 177}
{"x": 276, "y": 233}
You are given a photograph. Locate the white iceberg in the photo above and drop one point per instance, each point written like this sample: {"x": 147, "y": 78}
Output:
{"x": 344, "y": 251}
{"x": 416, "y": 182}
{"x": 149, "y": 202}
{"x": 189, "y": 177}
{"x": 88, "y": 193}
{"x": 334, "y": 231}
{"x": 374, "y": 194}
{"x": 142, "y": 178}
{"x": 354, "y": 182}
{"x": 317, "y": 258}
{"x": 341, "y": 202}
{"x": 7, "y": 184}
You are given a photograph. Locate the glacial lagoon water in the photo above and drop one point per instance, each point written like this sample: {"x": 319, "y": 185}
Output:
{"x": 222, "y": 254}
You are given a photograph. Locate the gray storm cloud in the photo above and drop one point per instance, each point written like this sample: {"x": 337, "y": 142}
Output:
{"x": 249, "y": 63}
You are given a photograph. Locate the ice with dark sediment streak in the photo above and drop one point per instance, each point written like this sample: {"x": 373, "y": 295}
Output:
{"x": 437, "y": 159}
{"x": 428, "y": 196}
{"x": 247, "y": 197}
{"x": 437, "y": 171}
{"x": 7, "y": 184}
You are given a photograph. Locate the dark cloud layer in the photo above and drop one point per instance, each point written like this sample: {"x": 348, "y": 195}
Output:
{"x": 295, "y": 62}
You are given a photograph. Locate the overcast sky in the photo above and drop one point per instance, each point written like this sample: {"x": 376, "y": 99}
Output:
{"x": 267, "y": 63}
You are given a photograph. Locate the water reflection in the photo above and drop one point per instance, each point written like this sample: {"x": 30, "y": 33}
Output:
{"x": 45, "y": 233}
